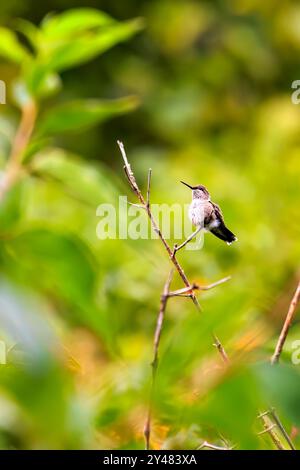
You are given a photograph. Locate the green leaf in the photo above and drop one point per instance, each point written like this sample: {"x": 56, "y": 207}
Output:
{"x": 39, "y": 81}
{"x": 11, "y": 208}
{"x": 82, "y": 114}
{"x": 50, "y": 85}
{"x": 64, "y": 41}
{"x": 281, "y": 384}
{"x": 59, "y": 265}
{"x": 231, "y": 408}
{"x": 39, "y": 384}
{"x": 55, "y": 255}
{"x": 79, "y": 178}
{"x": 10, "y": 48}
{"x": 20, "y": 93}
{"x": 30, "y": 31}
{"x": 37, "y": 144}
{"x": 73, "y": 22}
{"x": 7, "y": 133}
{"x": 63, "y": 54}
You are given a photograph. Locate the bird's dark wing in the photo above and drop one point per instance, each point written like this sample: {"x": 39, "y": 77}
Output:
{"x": 218, "y": 212}
{"x": 208, "y": 213}
{"x": 220, "y": 230}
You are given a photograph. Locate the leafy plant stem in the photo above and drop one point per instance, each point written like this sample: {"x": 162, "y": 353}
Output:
{"x": 14, "y": 164}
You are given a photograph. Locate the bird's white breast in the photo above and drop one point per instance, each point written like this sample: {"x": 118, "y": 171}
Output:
{"x": 196, "y": 212}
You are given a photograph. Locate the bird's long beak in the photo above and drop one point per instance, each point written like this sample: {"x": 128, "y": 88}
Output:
{"x": 191, "y": 187}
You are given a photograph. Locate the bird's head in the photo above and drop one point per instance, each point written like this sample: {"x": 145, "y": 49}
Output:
{"x": 199, "y": 191}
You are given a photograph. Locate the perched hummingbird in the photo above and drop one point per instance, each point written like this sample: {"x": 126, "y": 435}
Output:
{"x": 207, "y": 215}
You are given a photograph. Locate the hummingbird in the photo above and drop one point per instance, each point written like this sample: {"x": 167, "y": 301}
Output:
{"x": 207, "y": 215}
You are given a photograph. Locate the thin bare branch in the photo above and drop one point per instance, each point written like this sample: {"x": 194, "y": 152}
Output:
{"x": 148, "y": 187}
{"x": 271, "y": 414}
{"x": 154, "y": 364}
{"x": 208, "y": 445}
{"x": 186, "y": 296}
{"x": 160, "y": 318}
{"x": 186, "y": 290}
{"x": 286, "y": 326}
{"x": 264, "y": 413}
{"x": 215, "y": 284}
{"x": 269, "y": 428}
{"x": 193, "y": 235}
{"x": 132, "y": 181}
{"x": 282, "y": 428}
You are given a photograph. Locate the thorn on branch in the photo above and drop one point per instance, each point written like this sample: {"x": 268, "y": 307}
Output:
{"x": 221, "y": 350}
{"x": 136, "y": 205}
{"x": 269, "y": 428}
{"x": 208, "y": 445}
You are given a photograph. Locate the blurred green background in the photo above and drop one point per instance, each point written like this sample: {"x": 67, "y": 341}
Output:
{"x": 199, "y": 91}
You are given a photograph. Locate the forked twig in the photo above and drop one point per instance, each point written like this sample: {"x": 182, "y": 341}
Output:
{"x": 193, "y": 235}
{"x": 187, "y": 290}
{"x": 134, "y": 186}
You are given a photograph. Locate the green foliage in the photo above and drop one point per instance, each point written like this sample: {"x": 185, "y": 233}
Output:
{"x": 209, "y": 84}
{"x": 62, "y": 41}
{"x": 83, "y": 114}
{"x": 280, "y": 385}
{"x": 10, "y": 48}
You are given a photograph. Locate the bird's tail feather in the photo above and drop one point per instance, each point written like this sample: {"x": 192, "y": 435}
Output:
{"x": 224, "y": 233}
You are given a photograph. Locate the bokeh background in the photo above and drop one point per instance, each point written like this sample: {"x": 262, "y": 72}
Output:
{"x": 202, "y": 92}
